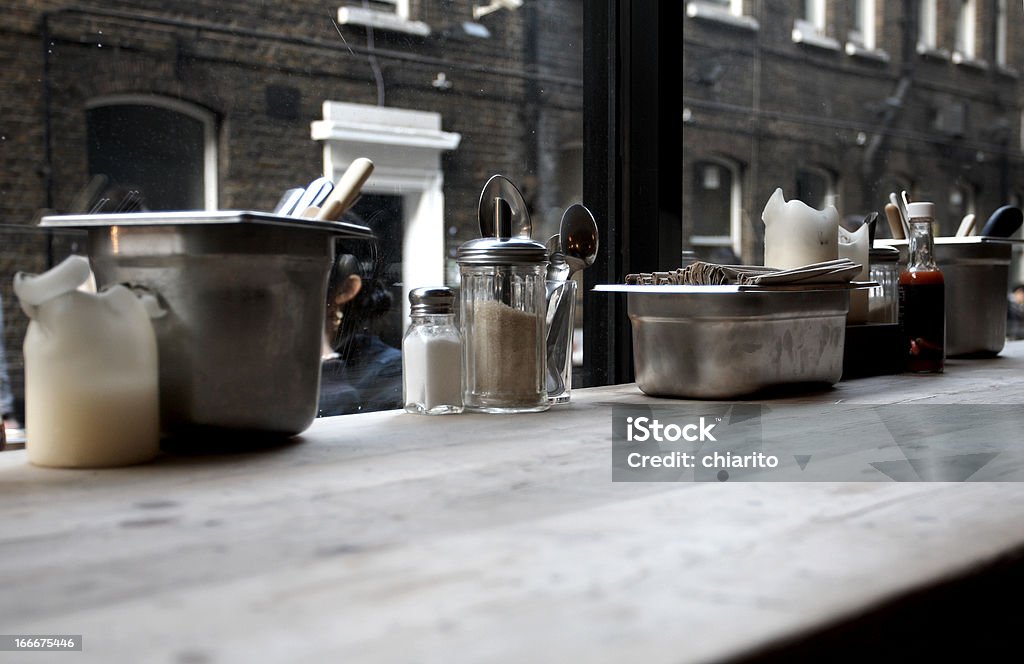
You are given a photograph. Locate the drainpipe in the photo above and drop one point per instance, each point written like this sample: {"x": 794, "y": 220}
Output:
{"x": 895, "y": 102}
{"x": 47, "y": 124}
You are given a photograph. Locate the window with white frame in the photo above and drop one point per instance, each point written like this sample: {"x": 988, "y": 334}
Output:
{"x": 718, "y": 196}
{"x": 152, "y": 152}
{"x": 1001, "y": 32}
{"x": 927, "y": 32}
{"x": 723, "y": 11}
{"x": 814, "y": 13}
{"x": 390, "y": 15}
{"x": 961, "y": 203}
{"x": 815, "y": 186}
{"x": 734, "y": 7}
{"x": 966, "y": 24}
{"x": 811, "y": 26}
{"x": 863, "y": 33}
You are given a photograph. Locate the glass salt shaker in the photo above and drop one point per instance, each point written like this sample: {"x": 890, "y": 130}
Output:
{"x": 503, "y": 306}
{"x": 432, "y": 354}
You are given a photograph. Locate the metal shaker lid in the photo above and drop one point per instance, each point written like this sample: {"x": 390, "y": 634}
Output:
{"x": 502, "y": 251}
{"x": 431, "y": 300}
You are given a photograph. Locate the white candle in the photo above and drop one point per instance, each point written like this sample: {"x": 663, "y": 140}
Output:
{"x": 91, "y": 391}
{"x": 795, "y": 234}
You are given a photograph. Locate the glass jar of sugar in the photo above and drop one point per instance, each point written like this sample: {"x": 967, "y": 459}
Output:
{"x": 503, "y": 307}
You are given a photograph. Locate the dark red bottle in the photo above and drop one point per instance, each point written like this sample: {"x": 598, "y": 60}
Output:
{"x": 922, "y": 294}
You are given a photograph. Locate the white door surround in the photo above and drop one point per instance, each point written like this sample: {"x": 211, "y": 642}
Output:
{"x": 405, "y": 147}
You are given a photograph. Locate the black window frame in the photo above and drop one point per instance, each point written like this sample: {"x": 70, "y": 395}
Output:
{"x": 632, "y": 161}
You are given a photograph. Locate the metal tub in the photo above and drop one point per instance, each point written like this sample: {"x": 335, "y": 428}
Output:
{"x": 723, "y": 342}
{"x": 240, "y": 345}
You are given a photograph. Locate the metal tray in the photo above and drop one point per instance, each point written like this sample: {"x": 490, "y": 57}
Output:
{"x": 721, "y": 342}
{"x": 194, "y": 217}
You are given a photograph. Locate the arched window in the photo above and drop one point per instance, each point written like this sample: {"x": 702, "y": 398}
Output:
{"x": 164, "y": 149}
{"x": 815, "y": 186}
{"x": 717, "y": 201}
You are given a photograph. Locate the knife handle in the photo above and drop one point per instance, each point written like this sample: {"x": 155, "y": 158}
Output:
{"x": 347, "y": 190}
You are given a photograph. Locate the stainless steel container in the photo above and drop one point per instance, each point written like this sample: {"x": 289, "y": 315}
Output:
{"x": 977, "y": 273}
{"x": 240, "y": 345}
{"x": 701, "y": 342}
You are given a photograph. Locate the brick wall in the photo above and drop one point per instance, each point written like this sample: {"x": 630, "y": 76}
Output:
{"x": 772, "y": 106}
{"x": 515, "y": 100}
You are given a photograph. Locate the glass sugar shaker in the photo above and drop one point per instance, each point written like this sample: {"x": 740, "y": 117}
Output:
{"x": 432, "y": 354}
{"x": 883, "y": 300}
{"x": 503, "y": 307}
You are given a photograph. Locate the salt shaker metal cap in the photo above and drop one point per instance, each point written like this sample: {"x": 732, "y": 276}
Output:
{"x": 431, "y": 300}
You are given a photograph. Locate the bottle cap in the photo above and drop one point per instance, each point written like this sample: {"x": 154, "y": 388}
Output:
{"x": 431, "y": 300}
{"x": 922, "y": 210}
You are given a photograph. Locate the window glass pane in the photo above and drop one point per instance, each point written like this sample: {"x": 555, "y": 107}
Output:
{"x": 848, "y": 126}
{"x": 713, "y": 197}
{"x": 230, "y": 105}
{"x": 155, "y": 151}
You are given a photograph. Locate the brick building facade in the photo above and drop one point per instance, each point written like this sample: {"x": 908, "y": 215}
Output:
{"x": 508, "y": 83}
{"x": 849, "y": 101}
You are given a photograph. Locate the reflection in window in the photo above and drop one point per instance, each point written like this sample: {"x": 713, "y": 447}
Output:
{"x": 734, "y": 7}
{"x": 811, "y": 26}
{"x": 717, "y": 200}
{"x": 961, "y": 204}
{"x": 1000, "y": 45}
{"x": 965, "y": 27}
{"x": 815, "y": 186}
{"x": 162, "y": 148}
{"x": 392, "y": 15}
{"x": 863, "y": 33}
{"x": 814, "y": 13}
{"x": 927, "y": 34}
{"x": 729, "y": 12}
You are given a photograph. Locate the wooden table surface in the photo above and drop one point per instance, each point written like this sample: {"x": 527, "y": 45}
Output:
{"x": 479, "y": 538}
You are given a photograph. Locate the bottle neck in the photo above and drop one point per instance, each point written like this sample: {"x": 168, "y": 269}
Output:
{"x": 922, "y": 256}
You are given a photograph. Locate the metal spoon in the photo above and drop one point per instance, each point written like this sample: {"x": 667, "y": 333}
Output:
{"x": 577, "y": 241}
{"x": 578, "y": 238}
{"x": 558, "y": 269}
{"x": 500, "y": 187}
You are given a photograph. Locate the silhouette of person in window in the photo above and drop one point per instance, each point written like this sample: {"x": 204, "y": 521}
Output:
{"x": 359, "y": 372}
{"x": 1015, "y": 313}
